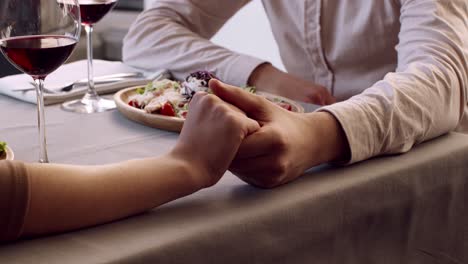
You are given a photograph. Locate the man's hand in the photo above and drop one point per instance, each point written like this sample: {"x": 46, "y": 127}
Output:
{"x": 286, "y": 144}
{"x": 211, "y": 137}
{"x": 269, "y": 79}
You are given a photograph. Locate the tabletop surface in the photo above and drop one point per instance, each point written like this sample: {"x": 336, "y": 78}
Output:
{"x": 376, "y": 210}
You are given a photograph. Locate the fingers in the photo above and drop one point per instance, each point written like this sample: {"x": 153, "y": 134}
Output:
{"x": 263, "y": 141}
{"x": 268, "y": 164}
{"x": 214, "y": 131}
{"x": 227, "y": 112}
{"x": 321, "y": 96}
{"x": 195, "y": 102}
{"x": 330, "y": 100}
{"x": 199, "y": 95}
{"x": 235, "y": 108}
{"x": 264, "y": 171}
{"x": 252, "y": 126}
{"x": 251, "y": 104}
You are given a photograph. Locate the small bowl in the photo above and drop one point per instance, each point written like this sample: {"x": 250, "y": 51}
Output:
{"x": 9, "y": 155}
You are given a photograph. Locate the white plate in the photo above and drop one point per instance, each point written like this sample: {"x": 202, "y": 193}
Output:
{"x": 9, "y": 155}
{"x": 167, "y": 122}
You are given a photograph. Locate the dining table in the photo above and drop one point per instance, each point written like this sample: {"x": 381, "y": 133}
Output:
{"x": 407, "y": 208}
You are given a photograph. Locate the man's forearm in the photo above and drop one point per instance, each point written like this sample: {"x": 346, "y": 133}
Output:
{"x": 172, "y": 35}
{"x": 329, "y": 142}
{"x": 265, "y": 77}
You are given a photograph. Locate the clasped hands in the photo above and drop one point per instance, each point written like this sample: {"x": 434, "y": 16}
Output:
{"x": 261, "y": 143}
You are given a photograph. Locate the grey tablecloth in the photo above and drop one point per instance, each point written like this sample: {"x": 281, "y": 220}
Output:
{"x": 400, "y": 209}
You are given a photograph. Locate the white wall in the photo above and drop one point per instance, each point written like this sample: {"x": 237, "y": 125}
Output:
{"x": 249, "y": 32}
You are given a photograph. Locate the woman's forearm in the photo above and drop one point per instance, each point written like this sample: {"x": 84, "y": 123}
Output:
{"x": 64, "y": 197}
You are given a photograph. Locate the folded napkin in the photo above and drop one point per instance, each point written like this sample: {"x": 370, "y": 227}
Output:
{"x": 66, "y": 74}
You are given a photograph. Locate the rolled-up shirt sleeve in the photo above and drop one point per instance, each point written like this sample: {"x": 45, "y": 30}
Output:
{"x": 427, "y": 94}
{"x": 14, "y": 199}
{"x": 174, "y": 35}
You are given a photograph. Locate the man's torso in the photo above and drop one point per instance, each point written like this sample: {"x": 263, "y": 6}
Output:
{"x": 348, "y": 45}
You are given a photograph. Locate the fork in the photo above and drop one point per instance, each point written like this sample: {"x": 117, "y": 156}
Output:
{"x": 97, "y": 80}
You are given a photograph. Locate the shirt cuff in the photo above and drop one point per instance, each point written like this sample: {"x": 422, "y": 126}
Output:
{"x": 239, "y": 69}
{"x": 356, "y": 126}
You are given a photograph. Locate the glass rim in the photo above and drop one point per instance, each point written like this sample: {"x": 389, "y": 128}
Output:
{"x": 77, "y": 38}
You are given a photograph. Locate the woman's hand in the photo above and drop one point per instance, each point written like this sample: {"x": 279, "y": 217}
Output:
{"x": 211, "y": 136}
{"x": 209, "y": 140}
{"x": 269, "y": 79}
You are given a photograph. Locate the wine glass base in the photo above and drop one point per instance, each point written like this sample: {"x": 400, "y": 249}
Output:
{"x": 89, "y": 106}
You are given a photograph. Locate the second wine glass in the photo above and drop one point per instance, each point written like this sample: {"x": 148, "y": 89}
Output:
{"x": 92, "y": 11}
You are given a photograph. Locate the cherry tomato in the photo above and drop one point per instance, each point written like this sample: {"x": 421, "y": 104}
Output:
{"x": 167, "y": 110}
{"x": 134, "y": 103}
{"x": 285, "y": 106}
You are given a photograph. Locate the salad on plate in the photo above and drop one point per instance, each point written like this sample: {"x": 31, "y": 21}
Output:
{"x": 171, "y": 98}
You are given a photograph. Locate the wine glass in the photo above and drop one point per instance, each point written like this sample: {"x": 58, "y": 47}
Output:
{"x": 91, "y": 12}
{"x": 37, "y": 37}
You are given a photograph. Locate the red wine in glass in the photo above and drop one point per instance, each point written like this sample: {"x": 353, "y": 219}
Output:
{"x": 38, "y": 56}
{"x": 93, "y": 11}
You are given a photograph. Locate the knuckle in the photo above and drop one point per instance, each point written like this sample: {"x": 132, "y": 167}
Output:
{"x": 198, "y": 96}
{"x": 280, "y": 168}
{"x": 220, "y": 110}
{"x": 279, "y": 142}
{"x": 209, "y": 103}
{"x": 230, "y": 119}
{"x": 210, "y": 99}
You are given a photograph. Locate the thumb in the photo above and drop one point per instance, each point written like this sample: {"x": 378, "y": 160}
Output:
{"x": 253, "y": 105}
{"x": 251, "y": 126}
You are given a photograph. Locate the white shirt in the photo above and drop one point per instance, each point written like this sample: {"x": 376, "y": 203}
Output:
{"x": 399, "y": 67}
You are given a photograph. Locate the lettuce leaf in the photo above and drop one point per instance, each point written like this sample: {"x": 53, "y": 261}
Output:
{"x": 250, "y": 89}
{"x": 140, "y": 90}
{"x": 2, "y": 147}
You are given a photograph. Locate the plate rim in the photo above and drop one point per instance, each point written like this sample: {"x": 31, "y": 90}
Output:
{"x": 168, "y": 123}
{"x": 119, "y": 94}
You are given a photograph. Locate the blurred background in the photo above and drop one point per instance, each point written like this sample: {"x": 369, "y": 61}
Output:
{"x": 247, "y": 32}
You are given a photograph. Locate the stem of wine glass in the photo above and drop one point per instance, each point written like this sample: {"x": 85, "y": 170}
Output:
{"x": 41, "y": 121}
{"x": 89, "y": 47}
